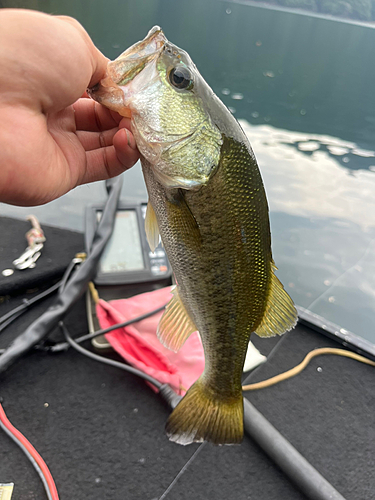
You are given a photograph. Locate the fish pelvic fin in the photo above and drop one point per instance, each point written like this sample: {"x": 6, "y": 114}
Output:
{"x": 151, "y": 227}
{"x": 201, "y": 416}
{"x": 175, "y": 325}
{"x": 280, "y": 314}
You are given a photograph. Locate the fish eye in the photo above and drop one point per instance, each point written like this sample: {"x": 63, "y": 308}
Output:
{"x": 181, "y": 78}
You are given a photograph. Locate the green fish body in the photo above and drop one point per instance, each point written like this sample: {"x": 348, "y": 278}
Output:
{"x": 207, "y": 202}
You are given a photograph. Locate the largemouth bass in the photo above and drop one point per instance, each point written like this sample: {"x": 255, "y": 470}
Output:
{"x": 207, "y": 202}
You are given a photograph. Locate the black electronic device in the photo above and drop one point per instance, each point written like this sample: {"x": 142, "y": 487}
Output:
{"x": 127, "y": 266}
{"x": 127, "y": 258}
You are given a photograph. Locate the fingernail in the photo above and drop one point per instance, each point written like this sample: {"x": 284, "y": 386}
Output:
{"x": 131, "y": 140}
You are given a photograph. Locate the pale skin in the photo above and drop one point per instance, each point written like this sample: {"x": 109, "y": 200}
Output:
{"x": 51, "y": 139}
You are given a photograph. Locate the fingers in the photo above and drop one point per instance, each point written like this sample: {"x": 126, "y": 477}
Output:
{"x": 112, "y": 160}
{"x": 125, "y": 147}
{"x": 93, "y": 117}
{"x": 96, "y": 140}
{"x": 106, "y": 153}
{"x": 122, "y": 139}
{"x": 98, "y": 60}
{"x": 125, "y": 123}
{"x": 101, "y": 129}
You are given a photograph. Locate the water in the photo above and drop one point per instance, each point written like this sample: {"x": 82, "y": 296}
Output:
{"x": 302, "y": 88}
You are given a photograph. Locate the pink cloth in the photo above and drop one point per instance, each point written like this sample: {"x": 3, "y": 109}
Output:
{"x": 139, "y": 345}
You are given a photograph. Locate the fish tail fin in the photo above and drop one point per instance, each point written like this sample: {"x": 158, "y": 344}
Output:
{"x": 200, "y": 416}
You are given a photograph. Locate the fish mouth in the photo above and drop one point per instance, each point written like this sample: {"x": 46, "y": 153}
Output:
{"x": 111, "y": 90}
{"x": 134, "y": 59}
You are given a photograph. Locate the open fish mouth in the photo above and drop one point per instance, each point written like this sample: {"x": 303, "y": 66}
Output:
{"x": 121, "y": 71}
{"x": 134, "y": 59}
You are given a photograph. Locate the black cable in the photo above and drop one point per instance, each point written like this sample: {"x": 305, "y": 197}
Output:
{"x": 75, "y": 287}
{"x": 272, "y": 442}
{"x": 10, "y": 320}
{"x": 293, "y": 464}
{"x": 290, "y": 461}
{"x": 61, "y": 346}
{"x": 165, "y": 390}
{"x": 68, "y": 272}
{"x": 30, "y": 457}
{"x": 121, "y": 325}
{"x": 10, "y": 316}
{"x": 107, "y": 361}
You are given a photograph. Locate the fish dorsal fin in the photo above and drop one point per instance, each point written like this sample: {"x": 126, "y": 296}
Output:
{"x": 280, "y": 315}
{"x": 175, "y": 325}
{"x": 151, "y": 227}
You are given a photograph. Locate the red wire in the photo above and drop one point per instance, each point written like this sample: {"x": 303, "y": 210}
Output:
{"x": 30, "y": 448}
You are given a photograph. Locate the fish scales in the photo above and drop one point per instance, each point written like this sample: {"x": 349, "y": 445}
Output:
{"x": 227, "y": 275}
{"x": 207, "y": 201}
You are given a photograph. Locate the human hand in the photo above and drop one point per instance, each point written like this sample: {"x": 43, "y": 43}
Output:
{"x": 51, "y": 140}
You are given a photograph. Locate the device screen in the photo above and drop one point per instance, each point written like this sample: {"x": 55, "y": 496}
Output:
{"x": 124, "y": 250}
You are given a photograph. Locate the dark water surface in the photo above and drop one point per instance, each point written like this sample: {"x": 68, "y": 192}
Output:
{"x": 303, "y": 90}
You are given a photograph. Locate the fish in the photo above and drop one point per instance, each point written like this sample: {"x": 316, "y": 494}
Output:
{"x": 208, "y": 204}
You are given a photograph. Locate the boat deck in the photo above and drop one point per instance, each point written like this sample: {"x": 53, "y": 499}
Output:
{"x": 101, "y": 430}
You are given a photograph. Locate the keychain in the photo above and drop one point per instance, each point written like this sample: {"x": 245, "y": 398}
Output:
{"x": 35, "y": 239}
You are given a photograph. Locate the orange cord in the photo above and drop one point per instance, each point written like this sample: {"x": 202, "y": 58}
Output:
{"x": 297, "y": 369}
{"x": 30, "y": 448}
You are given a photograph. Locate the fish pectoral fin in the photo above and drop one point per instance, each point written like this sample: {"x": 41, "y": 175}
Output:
{"x": 175, "y": 325}
{"x": 182, "y": 218}
{"x": 280, "y": 315}
{"x": 151, "y": 227}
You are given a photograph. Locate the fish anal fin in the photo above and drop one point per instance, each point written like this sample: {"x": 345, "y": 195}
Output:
{"x": 200, "y": 416}
{"x": 280, "y": 314}
{"x": 151, "y": 227}
{"x": 175, "y": 325}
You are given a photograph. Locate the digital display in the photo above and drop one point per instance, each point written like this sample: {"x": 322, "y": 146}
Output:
{"x": 124, "y": 249}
